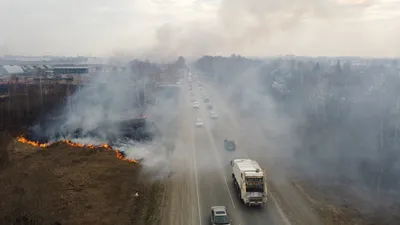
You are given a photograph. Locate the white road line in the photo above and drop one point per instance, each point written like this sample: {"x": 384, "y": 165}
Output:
{"x": 225, "y": 109}
{"x": 195, "y": 174}
{"x": 195, "y": 171}
{"x": 219, "y": 161}
{"x": 280, "y": 211}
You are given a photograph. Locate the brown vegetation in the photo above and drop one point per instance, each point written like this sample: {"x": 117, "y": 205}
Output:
{"x": 65, "y": 184}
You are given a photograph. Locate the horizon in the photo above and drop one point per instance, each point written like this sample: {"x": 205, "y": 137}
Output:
{"x": 197, "y": 57}
{"x": 140, "y": 28}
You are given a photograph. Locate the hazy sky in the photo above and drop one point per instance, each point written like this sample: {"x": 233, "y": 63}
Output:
{"x": 195, "y": 27}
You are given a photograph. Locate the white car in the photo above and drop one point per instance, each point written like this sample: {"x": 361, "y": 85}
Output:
{"x": 219, "y": 215}
{"x": 196, "y": 105}
{"x": 199, "y": 123}
{"x": 213, "y": 115}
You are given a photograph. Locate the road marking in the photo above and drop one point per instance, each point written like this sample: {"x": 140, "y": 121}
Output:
{"x": 225, "y": 109}
{"x": 195, "y": 172}
{"x": 280, "y": 211}
{"x": 219, "y": 161}
{"x": 190, "y": 125}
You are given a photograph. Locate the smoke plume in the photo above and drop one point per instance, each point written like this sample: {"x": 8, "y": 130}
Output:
{"x": 247, "y": 26}
{"x": 336, "y": 126}
{"x": 109, "y": 108}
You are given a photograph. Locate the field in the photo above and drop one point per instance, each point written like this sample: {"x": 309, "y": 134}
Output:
{"x": 64, "y": 184}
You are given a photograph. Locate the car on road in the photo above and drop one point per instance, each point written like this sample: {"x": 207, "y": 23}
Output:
{"x": 199, "y": 122}
{"x": 213, "y": 115}
{"x": 196, "y": 105}
{"x": 219, "y": 215}
{"x": 229, "y": 145}
{"x": 209, "y": 106}
{"x": 206, "y": 99}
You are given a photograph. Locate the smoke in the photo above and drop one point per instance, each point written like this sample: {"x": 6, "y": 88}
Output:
{"x": 249, "y": 27}
{"x": 107, "y": 108}
{"x": 335, "y": 125}
{"x": 263, "y": 115}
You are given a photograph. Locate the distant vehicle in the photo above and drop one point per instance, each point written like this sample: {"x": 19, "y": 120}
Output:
{"x": 213, "y": 115}
{"x": 229, "y": 145}
{"x": 196, "y": 105}
{"x": 206, "y": 99}
{"x": 250, "y": 181}
{"x": 199, "y": 123}
{"x": 219, "y": 215}
{"x": 209, "y": 106}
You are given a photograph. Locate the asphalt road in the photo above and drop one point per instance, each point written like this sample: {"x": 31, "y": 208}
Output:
{"x": 251, "y": 143}
{"x": 202, "y": 175}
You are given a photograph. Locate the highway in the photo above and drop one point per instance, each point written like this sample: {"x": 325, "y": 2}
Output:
{"x": 202, "y": 175}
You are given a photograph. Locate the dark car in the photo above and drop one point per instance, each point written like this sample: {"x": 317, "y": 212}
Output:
{"x": 229, "y": 145}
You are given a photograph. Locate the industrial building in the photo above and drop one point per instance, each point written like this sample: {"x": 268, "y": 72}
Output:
{"x": 9, "y": 70}
{"x": 70, "y": 70}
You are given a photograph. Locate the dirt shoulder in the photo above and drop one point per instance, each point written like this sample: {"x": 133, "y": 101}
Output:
{"x": 338, "y": 207}
{"x": 69, "y": 185}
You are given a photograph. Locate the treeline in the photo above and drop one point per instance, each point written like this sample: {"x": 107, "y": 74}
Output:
{"x": 23, "y": 104}
{"x": 348, "y": 112}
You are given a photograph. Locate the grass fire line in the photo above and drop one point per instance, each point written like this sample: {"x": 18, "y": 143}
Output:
{"x": 120, "y": 155}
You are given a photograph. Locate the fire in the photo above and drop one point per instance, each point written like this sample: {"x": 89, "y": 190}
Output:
{"x": 33, "y": 143}
{"x": 119, "y": 154}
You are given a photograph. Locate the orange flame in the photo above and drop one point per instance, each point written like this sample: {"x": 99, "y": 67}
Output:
{"x": 33, "y": 143}
{"x": 120, "y": 156}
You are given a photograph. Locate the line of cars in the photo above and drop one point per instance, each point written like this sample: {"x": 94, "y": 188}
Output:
{"x": 219, "y": 214}
{"x": 196, "y": 104}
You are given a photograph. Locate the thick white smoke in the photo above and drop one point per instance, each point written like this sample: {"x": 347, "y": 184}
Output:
{"x": 251, "y": 27}
{"x": 102, "y": 111}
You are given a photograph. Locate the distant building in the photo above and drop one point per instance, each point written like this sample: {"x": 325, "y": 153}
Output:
{"x": 9, "y": 70}
{"x": 70, "y": 70}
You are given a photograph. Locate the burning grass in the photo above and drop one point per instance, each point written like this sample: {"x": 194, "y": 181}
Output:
{"x": 66, "y": 184}
{"x": 120, "y": 155}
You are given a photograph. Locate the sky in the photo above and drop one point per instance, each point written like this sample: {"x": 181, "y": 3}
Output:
{"x": 164, "y": 28}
